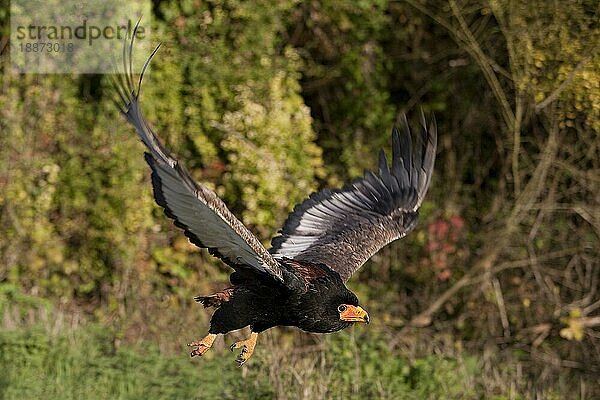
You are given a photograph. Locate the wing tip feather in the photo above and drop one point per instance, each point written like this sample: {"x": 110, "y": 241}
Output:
{"x": 396, "y": 190}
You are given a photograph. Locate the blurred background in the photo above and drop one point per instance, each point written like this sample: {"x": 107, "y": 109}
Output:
{"x": 496, "y": 294}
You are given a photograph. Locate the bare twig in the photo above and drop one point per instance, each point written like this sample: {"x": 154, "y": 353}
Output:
{"x": 589, "y": 322}
{"x": 472, "y": 278}
{"x": 482, "y": 60}
{"x": 501, "y": 307}
{"x": 4, "y": 45}
{"x": 591, "y": 308}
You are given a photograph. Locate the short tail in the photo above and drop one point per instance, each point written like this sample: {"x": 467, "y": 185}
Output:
{"x": 215, "y": 300}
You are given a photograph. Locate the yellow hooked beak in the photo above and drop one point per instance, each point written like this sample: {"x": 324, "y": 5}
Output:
{"x": 353, "y": 314}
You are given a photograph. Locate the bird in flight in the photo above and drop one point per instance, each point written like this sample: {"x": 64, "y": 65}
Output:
{"x": 300, "y": 280}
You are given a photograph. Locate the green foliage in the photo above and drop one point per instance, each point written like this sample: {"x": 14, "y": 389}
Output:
{"x": 72, "y": 217}
{"x": 275, "y": 160}
{"x": 12, "y": 299}
{"x": 243, "y": 113}
{"x": 559, "y": 45}
{"x": 366, "y": 368}
{"x": 87, "y": 364}
{"x": 265, "y": 102}
{"x": 346, "y": 78}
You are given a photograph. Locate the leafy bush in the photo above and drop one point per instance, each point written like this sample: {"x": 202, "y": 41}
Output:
{"x": 265, "y": 102}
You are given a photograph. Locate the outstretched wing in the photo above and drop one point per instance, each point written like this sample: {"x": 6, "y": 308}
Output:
{"x": 343, "y": 228}
{"x": 204, "y": 218}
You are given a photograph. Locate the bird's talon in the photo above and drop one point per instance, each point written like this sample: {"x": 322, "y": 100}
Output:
{"x": 247, "y": 347}
{"x": 240, "y": 361}
{"x": 202, "y": 346}
{"x": 199, "y": 351}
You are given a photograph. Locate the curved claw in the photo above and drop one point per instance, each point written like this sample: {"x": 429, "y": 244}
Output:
{"x": 199, "y": 351}
{"x": 240, "y": 360}
{"x": 203, "y": 345}
{"x": 247, "y": 347}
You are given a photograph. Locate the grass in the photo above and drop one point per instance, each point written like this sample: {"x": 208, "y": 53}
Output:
{"x": 85, "y": 364}
{"x": 41, "y": 357}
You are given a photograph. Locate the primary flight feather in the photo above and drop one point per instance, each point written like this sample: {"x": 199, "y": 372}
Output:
{"x": 299, "y": 281}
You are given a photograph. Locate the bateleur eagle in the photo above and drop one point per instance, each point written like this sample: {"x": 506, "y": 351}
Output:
{"x": 300, "y": 280}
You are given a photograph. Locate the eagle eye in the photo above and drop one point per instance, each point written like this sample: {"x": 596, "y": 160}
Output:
{"x": 342, "y": 308}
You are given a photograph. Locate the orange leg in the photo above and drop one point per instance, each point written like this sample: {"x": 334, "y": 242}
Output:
{"x": 247, "y": 347}
{"x": 203, "y": 345}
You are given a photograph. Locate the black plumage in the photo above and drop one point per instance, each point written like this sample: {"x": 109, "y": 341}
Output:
{"x": 260, "y": 304}
{"x": 300, "y": 280}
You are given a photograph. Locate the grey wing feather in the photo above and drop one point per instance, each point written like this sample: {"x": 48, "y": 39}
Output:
{"x": 343, "y": 228}
{"x": 202, "y": 215}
